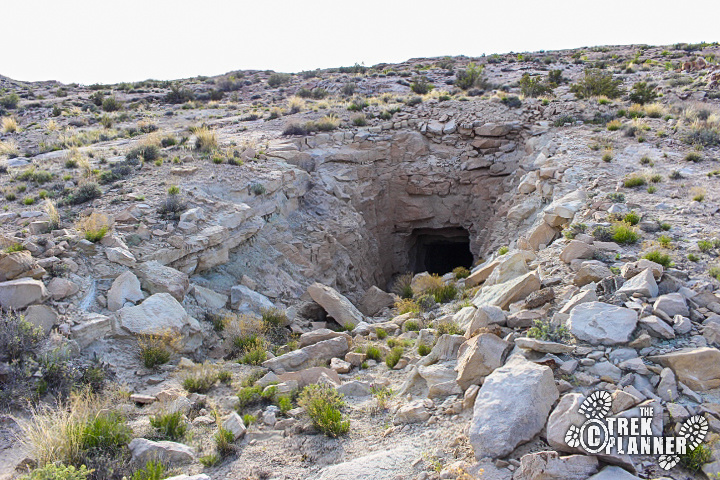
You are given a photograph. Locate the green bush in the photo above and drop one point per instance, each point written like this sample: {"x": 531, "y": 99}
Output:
{"x": 444, "y": 294}
{"x": 284, "y": 403}
{"x": 461, "y": 272}
{"x": 659, "y": 257}
{"x": 147, "y": 152}
{"x": 277, "y": 79}
{"x": 449, "y": 327}
{"x": 53, "y": 471}
{"x": 153, "y": 470}
{"x": 634, "y": 181}
{"x": 200, "y": 379}
{"x": 85, "y": 193}
{"x": 373, "y": 353}
{"x": 503, "y": 250}
{"x": 693, "y": 157}
{"x": 533, "y": 86}
{"x": 624, "y": 234}
{"x": 106, "y": 433}
{"x": 402, "y": 285}
{"x": 250, "y": 395}
{"x": 632, "y": 218}
{"x": 596, "y": 83}
{"x": 18, "y": 337}
{"x": 411, "y": 326}
{"x": 393, "y": 357}
{"x": 470, "y": 77}
{"x": 95, "y": 236}
{"x": 705, "y": 246}
{"x": 179, "y": 94}
{"x": 545, "y": 330}
{"x": 696, "y": 458}
{"x": 381, "y": 333}
{"x": 642, "y": 93}
{"x": 322, "y": 403}
{"x": 111, "y": 104}
{"x": 421, "y": 86}
{"x": 224, "y": 442}
{"x": 169, "y": 426}
{"x": 423, "y": 349}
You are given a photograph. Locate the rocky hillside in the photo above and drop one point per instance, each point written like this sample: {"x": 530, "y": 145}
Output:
{"x": 433, "y": 269}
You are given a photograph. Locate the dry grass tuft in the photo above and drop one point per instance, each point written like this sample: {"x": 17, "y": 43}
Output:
{"x": 205, "y": 139}
{"x": 9, "y": 148}
{"x": 9, "y": 125}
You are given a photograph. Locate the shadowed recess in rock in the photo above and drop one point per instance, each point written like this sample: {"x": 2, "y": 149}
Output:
{"x": 440, "y": 250}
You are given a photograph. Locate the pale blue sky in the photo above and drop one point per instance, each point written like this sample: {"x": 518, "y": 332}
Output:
{"x": 90, "y": 41}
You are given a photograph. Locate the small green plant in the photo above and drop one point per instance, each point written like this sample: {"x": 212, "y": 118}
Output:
{"x": 224, "y": 442}
{"x": 616, "y": 197}
{"x": 632, "y": 218}
{"x": 444, "y": 293}
{"x": 53, "y": 471}
{"x": 284, "y": 403}
{"x": 597, "y": 83}
{"x": 623, "y": 233}
{"x": 693, "y": 157}
{"x": 381, "y": 333}
{"x": 106, "y": 433}
{"x": 200, "y": 378}
{"x": 174, "y": 190}
{"x": 156, "y": 349}
{"x": 373, "y": 353}
{"x": 392, "y": 358}
{"x": 210, "y": 460}
{"x": 461, "y": 272}
{"x": 449, "y": 327}
{"x": 402, "y": 286}
{"x": 323, "y": 403}
{"x": 665, "y": 241}
{"x": 423, "y": 349}
{"x": 224, "y": 376}
{"x": 546, "y": 330}
{"x": 381, "y": 394}
{"x": 693, "y": 258}
{"x": 503, "y": 250}
{"x": 694, "y": 459}
{"x": 248, "y": 419}
{"x": 634, "y": 181}
{"x": 659, "y": 257}
{"x": 169, "y": 426}
{"x": 607, "y": 157}
{"x": 651, "y": 189}
{"x": 257, "y": 189}
{"x": 28, "y": 201}
{"x": 705, "y": 246}
{"x": 665, "y": 226}
{"x": 15, "y": 247}
{"x": 411, "y": 326}
{"x": 153, "y": 470}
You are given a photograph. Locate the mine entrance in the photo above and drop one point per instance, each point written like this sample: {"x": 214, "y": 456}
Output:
{"x": 440, "y": 250}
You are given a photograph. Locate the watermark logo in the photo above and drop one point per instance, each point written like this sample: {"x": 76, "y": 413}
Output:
{"x": 631, "y": 436}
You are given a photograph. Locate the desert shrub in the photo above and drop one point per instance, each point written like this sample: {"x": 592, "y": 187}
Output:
{"x": 277, "y": 79}
{"x": 703, "y": 135}
{"x": 421, "y": 86}
{"x": 179, "y": 94}
{"x": 693, "y": 258}
{"x": 249, "y": 396}
{"x": 705, "y": 246}
{"x": 659, "y": 257}
{"x": 359, "y": 121}
{"x": 9, "y": 101}
{"x": 111, "y": 104}
{"x": 255, "y": 355}
{"x": 407, "y": 305}
{"x": 411, "y": 326}
{"x": 295, "y": 129}
{"x": 632, "y": 218}
{"x": 426, "y": 283}
{"x": 401, "y": 286}
{"x": 614, "y": 125}
{"x": 53, "y": 471}
{"x": 284, "y": 403}
{"x": 449, "y": 327}
{"x": 169, "y": 426}
{"x": 205, "y": 139}
{"x": 381, "y": 333}
{"x": 423, "y": 349}
{"x": 693, "y": 157}
{"x": 248, "y": 419}
{"x": 546, "y": 330}
{"x": 642, "y": 93}
{"x": 373, "y": 353}
{"x": 85, "y": 193}
{"x": 461, "y": 272}
{"x": 426, "y": 302}
{"x": 675, "y": 175}
{"x": 664, "y": 241}
{"x": 200, "y": 378}
{"x": 602, "y": 234}
{"x": 94, "y": 227}
{"x": 8, "y": 125}
{"x": 534, "y": 86}
{"x": 444, "y": 293}
{"x": 596, "y": 83}
{"x": 224, "y": 442}
{"x": 503, "y": 250}
{"x": 18, "y": 337}
{"x": 394, "y": 357}
{"x": 327, "y": 123}
{"x": 694, "y": 459}
{"x": 607, "y": 157}
{"x": 634, "y": 181}
{"x": 106, "y": 432}
{"x": 146, "y": 152}
{"x": 511, "y": 101}
{"x": 157, "y": 348}
{"x": 172, "y": 207}
{"x": 153, "y": 470}
{"x": 623, "y": 233}
{"x": 323, "y": 403}
{"x": 470, "y": 77}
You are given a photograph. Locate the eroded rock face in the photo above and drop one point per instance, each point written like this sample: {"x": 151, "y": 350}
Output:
{"x": 511, "y": 407}
{"x": 308, "y": 356}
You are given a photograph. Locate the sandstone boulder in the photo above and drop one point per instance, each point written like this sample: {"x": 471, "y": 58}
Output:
{"x": 414, "y": 412}
{"x": 19, "y": 265}
{"x": 144, "y": 450}
{"x": 159, "y": 313}
{"x": 308, "y": 356}
{"x": 158, "y": 278}
{"x": 335, "y": 304}
{"x": 511, "y": 265}
{"x": 209, "y": 298}
{"x": 672, "y": 304}
{"x": 125, "y": 288}
{"x": 591, "y": 272}
{"x": 245, "y": 300}
{"x": 60, "y": 288}
{"x": 576, "y": 249}
{"x": 375, "y": 300}
{"x": 602, "y": 323}
{"x": 41, "y": 316}
{"x": 695, "y": 367}
{"x": 21, "y": 292}
{"x": 235, "y": 425}
{"x": 321, "y": 334}
{"x": 382, "y": 465}
{"x": 503, "y": 294}
{"x": 551, "y": 466}
{"x": 478, "y": 357}
{"x": 642, "y": 284}
{"x": 511, "y": 407}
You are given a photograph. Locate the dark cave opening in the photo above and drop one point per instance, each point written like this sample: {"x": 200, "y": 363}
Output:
{"x": 440, "y": 250}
